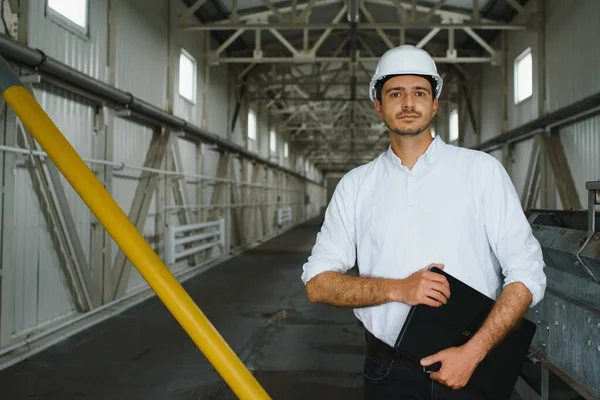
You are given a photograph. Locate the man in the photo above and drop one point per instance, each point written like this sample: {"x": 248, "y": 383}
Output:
{"x": 422, "y": 203}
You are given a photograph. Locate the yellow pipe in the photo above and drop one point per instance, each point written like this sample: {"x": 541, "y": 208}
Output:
{"x": 118, "y": 225}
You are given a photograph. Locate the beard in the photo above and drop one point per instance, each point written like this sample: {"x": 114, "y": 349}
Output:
{"x": 412, "y": 131}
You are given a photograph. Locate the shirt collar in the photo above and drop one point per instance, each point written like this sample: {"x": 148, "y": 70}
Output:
{"x": 431, "y": 154}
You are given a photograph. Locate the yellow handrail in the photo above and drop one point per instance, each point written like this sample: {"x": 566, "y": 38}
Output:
{"x": 128, "y": 238}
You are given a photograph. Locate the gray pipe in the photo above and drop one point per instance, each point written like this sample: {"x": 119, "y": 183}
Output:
{"x": 36, "y": 59}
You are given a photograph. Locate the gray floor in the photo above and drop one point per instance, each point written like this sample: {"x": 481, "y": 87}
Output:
{"x": 298, "y": 350}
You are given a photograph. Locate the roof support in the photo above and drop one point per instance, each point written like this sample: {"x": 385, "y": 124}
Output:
{"x": 360, "y": 26}
{"x": 380, "y": 31}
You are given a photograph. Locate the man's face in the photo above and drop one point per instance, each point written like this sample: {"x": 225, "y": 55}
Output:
{"x": 407, "y": 105}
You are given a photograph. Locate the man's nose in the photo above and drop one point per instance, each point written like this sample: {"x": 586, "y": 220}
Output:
{"x": 408, "y": 101}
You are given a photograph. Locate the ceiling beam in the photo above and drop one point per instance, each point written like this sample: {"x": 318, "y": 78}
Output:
{"x": 360, "y": 26}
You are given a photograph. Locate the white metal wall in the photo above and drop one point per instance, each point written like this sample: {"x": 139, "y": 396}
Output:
{"x": 571, "y": 75}
{"x": 86, "y": 53}
{"x": 572, "y": 57}
{"x": 492, "y": 99}
{"x": 40, "y": 294}
{"x": 142, "y": 49}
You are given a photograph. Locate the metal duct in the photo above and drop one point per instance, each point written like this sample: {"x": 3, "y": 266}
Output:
{"x": 568, "y": 318}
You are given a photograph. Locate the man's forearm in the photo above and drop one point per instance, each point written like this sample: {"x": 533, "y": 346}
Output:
{"x": 343, "y": 290}
{"x": 510, "y": 307}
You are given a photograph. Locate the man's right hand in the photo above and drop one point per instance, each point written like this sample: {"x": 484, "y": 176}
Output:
{"x": 422, "y": 287}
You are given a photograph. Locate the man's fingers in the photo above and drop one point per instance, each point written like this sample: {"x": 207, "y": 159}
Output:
{"x": 434, "y": 276}
{"x": 435, "y": 295}
{"x": 428, "y": 301}
{"x": 443, "y": 289}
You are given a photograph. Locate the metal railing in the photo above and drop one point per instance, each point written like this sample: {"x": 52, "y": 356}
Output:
{"x": 128, "y": 238}
{"x": 175, "y": 238}
{"x": 284, "y": 214}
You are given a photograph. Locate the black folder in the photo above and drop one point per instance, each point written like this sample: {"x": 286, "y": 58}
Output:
{"x": 428, "y": 330}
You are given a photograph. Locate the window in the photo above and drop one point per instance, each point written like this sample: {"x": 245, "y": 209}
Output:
{"x": 453, "y": 125}
{"x": 75, "y": 11}
{"x": 286, "y": 150}
{"x": 187, "y": 76}
{"x": 523, "y": 76}
{"x": 252, "y": 125}
{"x": 272, "y": 141}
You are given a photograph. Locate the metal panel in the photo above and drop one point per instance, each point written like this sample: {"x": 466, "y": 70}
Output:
{"x": 581, "y": 142}
{"x": 187, "y": 151}
{"x": 521, "y": 154}
{"x": 86, "y": 53}
{"x": 527, "y": 110}
{"x": 568, "y": 337}
{"x": 74, "y": 116}
{"x": 131, "y": 142}
{"x": 572, "y": 70}
{"x": 218, "y": 116}
{"x": 41, "y": 293}
{"x": 142, "y": 39}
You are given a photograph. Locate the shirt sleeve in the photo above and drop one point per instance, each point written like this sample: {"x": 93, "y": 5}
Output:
{"x": 335, "y": 247}
{"x": 510, "y": 235}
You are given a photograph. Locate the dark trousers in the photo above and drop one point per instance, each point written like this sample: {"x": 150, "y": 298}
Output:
{"x": 388, "y": 376}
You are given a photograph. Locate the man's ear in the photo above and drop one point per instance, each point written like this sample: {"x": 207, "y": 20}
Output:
{"x": 378, "y": 108}
{"x": 436, "y": 104}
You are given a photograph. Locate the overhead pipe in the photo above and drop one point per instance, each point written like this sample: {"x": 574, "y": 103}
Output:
{"x": 40, "y": 62}
{"x": 158, "y": 276}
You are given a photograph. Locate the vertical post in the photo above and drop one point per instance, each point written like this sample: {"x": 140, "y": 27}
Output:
{"x": 200, "y": 183}
{"x": 7, "y": 292}
{"x": 170, "y": 246}
{"x": 545, "y": 385}
{"x": 541, "y": 58}
{"x": 592, "y": 201}
{"x": 101, "y": 259}
{"x": 222, "y": 229}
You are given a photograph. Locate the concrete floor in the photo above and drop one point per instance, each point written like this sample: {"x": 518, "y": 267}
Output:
{"x": 297, "y": 350}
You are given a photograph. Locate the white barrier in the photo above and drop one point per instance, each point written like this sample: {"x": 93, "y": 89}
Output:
{"x": 284, "y": 214}
{"x": 174, "y": 238}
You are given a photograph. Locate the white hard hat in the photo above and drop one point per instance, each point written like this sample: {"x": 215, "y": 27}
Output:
{"x": 405, "y": 60}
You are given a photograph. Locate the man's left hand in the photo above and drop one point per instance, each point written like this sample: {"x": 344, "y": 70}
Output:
{"x": 458, "y": 364}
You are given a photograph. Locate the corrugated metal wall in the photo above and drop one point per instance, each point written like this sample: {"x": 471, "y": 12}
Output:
{"x": 41, "y": 296}
{"x": 84, "y": 52}
{"x": 572, "y": 57}
{"x": 571, "y": 74}
{"x": 492, "y": 101}
{"x": 142, "y": 49}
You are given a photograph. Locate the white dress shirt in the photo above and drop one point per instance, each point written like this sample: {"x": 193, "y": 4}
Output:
{"x": 457, "y": 207}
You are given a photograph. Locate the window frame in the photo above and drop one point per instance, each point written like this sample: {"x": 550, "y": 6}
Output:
{"x": 527, "y": 52}
{"x": 183, "y": 52}
{"x": 68, "y": 24}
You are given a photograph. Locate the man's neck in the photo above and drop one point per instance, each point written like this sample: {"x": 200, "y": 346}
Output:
{"x": 410, "y": 148}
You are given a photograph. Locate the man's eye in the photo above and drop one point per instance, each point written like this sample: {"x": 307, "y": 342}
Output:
{"x": 395, "y": 94}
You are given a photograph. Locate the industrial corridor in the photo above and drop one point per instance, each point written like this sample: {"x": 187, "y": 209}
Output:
{"x": 221, "y": 199}
{"x": 296, "y": 349}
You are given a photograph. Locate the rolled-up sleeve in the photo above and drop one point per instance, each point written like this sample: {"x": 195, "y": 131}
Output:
{"x": 510, "y": 235}
{"x": 335, "y": 246}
